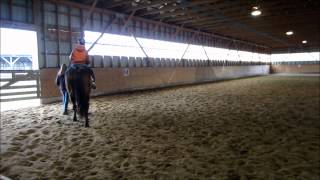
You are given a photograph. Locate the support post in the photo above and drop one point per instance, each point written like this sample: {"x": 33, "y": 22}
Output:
{"x": 10, "y": 9}
{"x": 177, "y": 31}
{"x": 36, "y": 14}
{"x": 185, "y": 51}
{"x": 102, "y": 33}
{"x": 155, "y": 27}
{"x": 107, "y": 26}
{"x": 58, "y": 34}
{"x": 70, "y": 28}
{"x": 127, "y": 21}
{"x": 44, "y": 35}
{"x": 124, "y": 26}
{"x": 140, "y": 45}
{"x": 205, "y": 53}
{"x": 191, "y": 39}
{"x": 84, "y": 22}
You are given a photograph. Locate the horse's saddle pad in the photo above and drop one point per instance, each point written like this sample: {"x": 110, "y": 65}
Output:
{"x": 79, "y": 67}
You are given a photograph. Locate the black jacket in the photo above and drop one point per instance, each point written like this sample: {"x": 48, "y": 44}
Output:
{"x": 60, "y": 81}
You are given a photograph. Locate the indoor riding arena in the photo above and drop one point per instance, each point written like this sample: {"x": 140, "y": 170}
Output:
{"x": 160, "y": 89}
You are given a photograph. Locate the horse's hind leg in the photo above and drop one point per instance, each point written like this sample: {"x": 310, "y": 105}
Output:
{"x": 74, "y": 107}
{"x": 86, "y": 114}
{"x": 87, "y": 120}
{"x": 75, "y": 112}
{"x": 71, "y": 88}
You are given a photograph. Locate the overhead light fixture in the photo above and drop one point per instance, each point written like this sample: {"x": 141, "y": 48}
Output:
{"x": 255, "y": 11}
{"x": 304, "y": 42}
{"x": 289, "y": 33}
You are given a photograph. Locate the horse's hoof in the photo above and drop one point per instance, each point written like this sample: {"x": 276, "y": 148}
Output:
{"x": 75, "y": 120}
{"x": 86, "y": 125}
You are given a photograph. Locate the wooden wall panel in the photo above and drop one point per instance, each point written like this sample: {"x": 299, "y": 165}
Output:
{"x": 296, "y": 68}
{"x": 113, "y": 80}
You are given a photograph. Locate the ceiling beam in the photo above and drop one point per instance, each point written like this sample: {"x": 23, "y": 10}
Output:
{"x": 230, "y": 9}
{"x": 90, "y": 12}
{"x": 243, "y": 16}
{"x": 264, "y": 21}
{"x": 237, "y": 25}
{"x": 198, "y": 11}
{"x": 148, "y": 5}
{"x": 184, "y": 4}
{"x": 295, "y": 49}
{"x": 200, "y": 16}
{"x": 209, "y": 35}
{"x": 117, "y": 4}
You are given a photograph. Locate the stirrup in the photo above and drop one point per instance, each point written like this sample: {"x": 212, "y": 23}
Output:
{"x": 93, "y": 85}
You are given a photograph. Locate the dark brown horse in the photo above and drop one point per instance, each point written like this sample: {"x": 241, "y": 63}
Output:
{"x": 78, "y": 85}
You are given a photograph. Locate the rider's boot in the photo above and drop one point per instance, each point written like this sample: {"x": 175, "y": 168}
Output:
{"x": 93, "y": 85}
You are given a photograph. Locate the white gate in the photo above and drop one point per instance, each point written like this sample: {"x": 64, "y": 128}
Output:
{"x": 19, "y": 85}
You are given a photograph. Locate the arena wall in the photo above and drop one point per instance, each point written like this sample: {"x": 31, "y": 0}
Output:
{"x": 115, "y": 80}
{"x": 295, "y": 68}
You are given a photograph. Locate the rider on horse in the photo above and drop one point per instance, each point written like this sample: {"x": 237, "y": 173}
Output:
{"x": 79, "y": 58}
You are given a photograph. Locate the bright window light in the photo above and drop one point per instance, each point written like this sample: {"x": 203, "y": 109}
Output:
{"x": 18, "y": 51}
{"x": 113, "y": 45}
{"x": 163, "y": 49}
{"x": 195, "y": 52}
{"x": 119, "y": 45}
{"x": 287, "y": 57}
{"x": 16, "y": 42}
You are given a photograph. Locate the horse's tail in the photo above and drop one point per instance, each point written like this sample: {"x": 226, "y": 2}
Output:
{"x": 81, "y": 94}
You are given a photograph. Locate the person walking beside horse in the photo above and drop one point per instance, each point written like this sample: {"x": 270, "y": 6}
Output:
{"x": 60, "y": 81}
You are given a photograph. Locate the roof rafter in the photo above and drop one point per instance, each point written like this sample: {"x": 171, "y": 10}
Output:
{"x": 185, "y": 4}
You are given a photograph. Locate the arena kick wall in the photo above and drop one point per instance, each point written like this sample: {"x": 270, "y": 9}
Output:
{"x": 296, "y": 67}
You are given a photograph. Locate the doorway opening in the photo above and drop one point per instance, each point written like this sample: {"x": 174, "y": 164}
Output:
{"x": 19, "y": 76}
